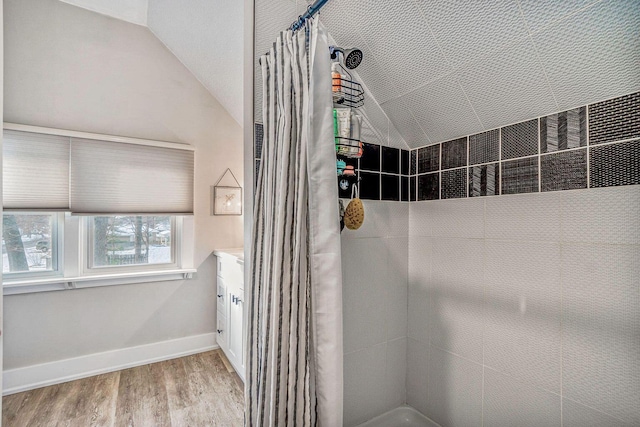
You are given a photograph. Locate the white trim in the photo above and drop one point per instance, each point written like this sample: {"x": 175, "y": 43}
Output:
{"x": 97, "y": 136}
{"x": 57, "y": 237}
{"x": 80, "y": 282}
{"x": 60, "y": 371}
{"x": 73, "y": 274}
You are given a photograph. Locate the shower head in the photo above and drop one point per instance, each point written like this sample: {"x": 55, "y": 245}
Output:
{"x": 352, "y": 57}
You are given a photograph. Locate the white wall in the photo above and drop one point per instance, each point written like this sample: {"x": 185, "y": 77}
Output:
{"x": 70, "y": 68}
{"x": 134, "y": 11}
{"x": 525, "y": 309}
{"x": 374, "y": 271}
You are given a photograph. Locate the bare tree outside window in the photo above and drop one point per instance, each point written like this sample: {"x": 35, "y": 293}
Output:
{"x": 131, "y": 240}
{"x": 27, "y": 244}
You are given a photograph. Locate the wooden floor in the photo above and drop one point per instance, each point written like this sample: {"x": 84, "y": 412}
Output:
{"x": 198, "y": 390}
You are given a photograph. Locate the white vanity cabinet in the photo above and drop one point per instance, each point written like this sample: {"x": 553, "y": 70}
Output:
{"x": 230, "y": 325}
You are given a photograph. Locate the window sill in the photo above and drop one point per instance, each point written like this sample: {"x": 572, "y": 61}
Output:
{"x": 48, "y": 284}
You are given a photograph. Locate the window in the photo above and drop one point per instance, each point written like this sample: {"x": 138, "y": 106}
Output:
{"x": 116, "y": 241}
{"x": 123, "y": 210}
{"x": 29, "y": 243}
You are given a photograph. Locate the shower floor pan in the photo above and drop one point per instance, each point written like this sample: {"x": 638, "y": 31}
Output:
{"x": 404, "y": 416}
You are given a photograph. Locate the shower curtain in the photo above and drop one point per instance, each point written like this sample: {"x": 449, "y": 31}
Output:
{"x": 294, "y": 361}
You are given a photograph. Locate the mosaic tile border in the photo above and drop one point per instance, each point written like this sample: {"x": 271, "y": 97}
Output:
{"x": 596, "y": 145}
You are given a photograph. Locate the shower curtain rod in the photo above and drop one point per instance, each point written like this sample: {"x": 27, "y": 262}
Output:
{"x": 312, "y": 9}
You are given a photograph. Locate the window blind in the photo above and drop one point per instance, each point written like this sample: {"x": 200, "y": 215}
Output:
{"x": 111, "y": 177}
{"x": 35, "y": 171}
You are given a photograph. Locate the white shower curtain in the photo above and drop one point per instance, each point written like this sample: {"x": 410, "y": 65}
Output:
{"x": 294, "y": 361}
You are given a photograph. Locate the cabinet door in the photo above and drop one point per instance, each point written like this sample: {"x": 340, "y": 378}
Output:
{"x": 222, "y": 332}
{"x": 221, "y": 296}
{"x": 236, "y": 333}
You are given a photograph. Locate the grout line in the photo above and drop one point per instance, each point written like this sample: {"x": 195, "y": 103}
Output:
{"x": 561, "y": 326}
{"x": 586, "y": 119}
{"x": 500, "y": 162}
{"x": 523, "y": 380}
{"x": 539, "y": 159}
{"x": 484, "y": 302}
{"x": 466, "y": 180}
{"x": 544, "y": 71}
{"x": 563, "y": 151}
{"x": 595, "y": 409}
{"x": 566, "y": 17}
{"x": 475, "y": 113}
{"x": 526, "y": 23}
{"x": 433, "y": 35}
{"x": 440, "y": 147}
{"x": 618, "y": 141}
{"x": 413, "y": 116}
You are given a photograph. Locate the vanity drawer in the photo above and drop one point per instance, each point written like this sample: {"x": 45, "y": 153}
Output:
{"x": 220, "y": 266}
{"x": 229, "y": 269}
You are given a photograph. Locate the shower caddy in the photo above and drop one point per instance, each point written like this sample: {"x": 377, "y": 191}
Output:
{"x": 348, "y": 95}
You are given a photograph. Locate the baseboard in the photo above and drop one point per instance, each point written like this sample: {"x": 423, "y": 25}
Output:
{"x": 60, "y": 371}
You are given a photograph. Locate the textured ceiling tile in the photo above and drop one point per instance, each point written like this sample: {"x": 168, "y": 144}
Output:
{"x": 375, "y": 124}
{"x": 274, "y": 16}
{"x": 442, "y": 110}
{"x": 594, "y": 54}
{"x": 401, "y": 43}
{"x": 401, "y": 117}
{"x": 395, "y": 139}
{"x": 508, "y": 87}
{"x": 338, "y": 17}
{"x": 468, "y": 30}
{"x": 539, "y": 13}
{"x": 302, "y": 5}
{"x": 371, "y": 72}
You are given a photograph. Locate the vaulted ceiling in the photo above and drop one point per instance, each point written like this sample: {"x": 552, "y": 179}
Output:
{"x": 433, "y": 69}
{"x": 205, "y": 35}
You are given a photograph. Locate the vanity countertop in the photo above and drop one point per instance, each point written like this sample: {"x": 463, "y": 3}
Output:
{"x": 234, "y": 252}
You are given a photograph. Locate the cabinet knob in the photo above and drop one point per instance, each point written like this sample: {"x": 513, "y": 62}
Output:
{"x": 219, "y": 331}
{"x": 219, "y": 296}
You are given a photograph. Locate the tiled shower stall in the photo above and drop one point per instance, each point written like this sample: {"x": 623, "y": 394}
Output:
{"x": 495, "y": 280}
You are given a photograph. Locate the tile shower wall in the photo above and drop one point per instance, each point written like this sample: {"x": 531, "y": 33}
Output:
{"x": 374, "y": 269}
{"x": 592, "y": 146}
{"x": 525, "y": 310}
